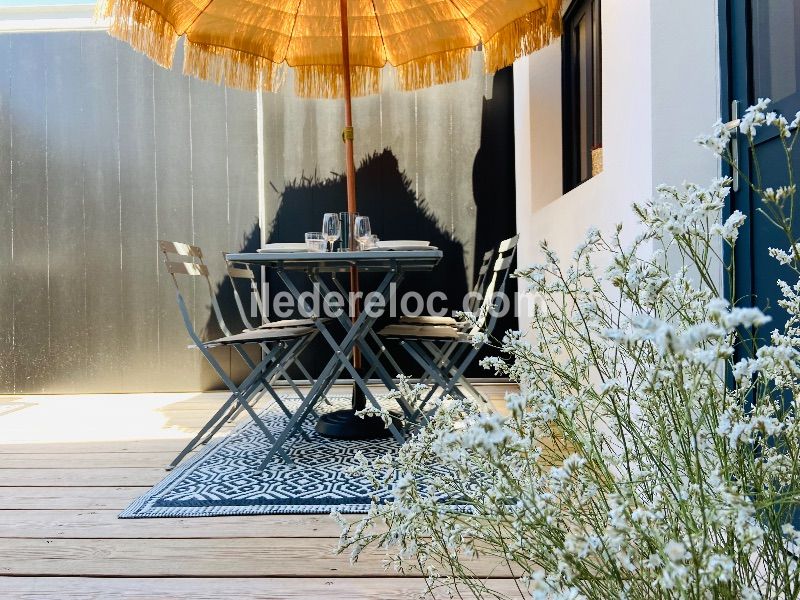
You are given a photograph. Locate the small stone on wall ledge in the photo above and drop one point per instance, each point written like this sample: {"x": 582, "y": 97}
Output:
{"x": 597, "y": 161}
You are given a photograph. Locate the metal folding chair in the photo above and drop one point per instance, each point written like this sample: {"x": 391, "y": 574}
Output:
{"x": 445, "y": 351}
{"x": 474, "y": 301}
{"x": 186, "y": 259}
{"x": 242, "y": 272}
{"x": 475, "y": 298}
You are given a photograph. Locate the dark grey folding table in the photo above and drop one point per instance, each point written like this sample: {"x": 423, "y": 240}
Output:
{"x": 394, "y": 264}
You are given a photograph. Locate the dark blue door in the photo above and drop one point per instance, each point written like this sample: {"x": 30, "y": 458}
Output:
{"x": 763, "y": 51}
{"x": 762, "y": 39}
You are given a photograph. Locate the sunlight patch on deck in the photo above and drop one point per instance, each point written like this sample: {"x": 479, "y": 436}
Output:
{"x": 100, "y": 417}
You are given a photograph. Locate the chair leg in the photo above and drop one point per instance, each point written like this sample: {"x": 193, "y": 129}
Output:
{"x": 457, "y": 374}
{"x": 292, "y": 358}
{"x": 443, "y": 359}
{"x": 266, "y": 382}
{"x": 448, "y": 366}
{"x": 216, "y": 419}
{"x": 286, "y": 411}
{"x": 329, "y": 372}
{"x": 430, "y": 367}
{"x": 265, "y": 431}
{"x": 242, "y": 395}
{"x": 286, "y": 360}
{"x": 237, "y": 410}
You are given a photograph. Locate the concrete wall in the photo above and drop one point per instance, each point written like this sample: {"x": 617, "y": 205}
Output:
{"x": 102, "y": 153}
{"x": 660, "y": 90}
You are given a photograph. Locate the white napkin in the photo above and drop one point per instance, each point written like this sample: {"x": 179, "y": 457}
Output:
{"x": 392, "y": 244}
{"x": 284, "y": 247}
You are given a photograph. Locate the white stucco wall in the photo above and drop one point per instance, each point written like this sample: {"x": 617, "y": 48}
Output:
{"x": 660, "y": 90}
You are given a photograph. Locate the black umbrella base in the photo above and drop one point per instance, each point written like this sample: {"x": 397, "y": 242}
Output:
{"x": 345, "y": 425}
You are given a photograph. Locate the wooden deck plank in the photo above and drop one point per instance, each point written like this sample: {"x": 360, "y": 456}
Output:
{"x": 104, "y": 524}
{"x": 307, "y": 588}
{"x": 68, "y": 498}
{"x": 83, "y": 460}
{"x": 172, "y": 445}
{"x": 223, "y": 557}
{"x": 128, "y": 476}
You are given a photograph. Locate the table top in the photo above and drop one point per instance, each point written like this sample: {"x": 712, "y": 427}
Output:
{"x": 369, "y": 260}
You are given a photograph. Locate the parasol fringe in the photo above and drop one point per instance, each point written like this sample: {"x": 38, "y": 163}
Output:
{"x": 151, "y": 33}
{"x": 325, "y": 81}
{"x": 523, "y": 36}
{"x": 442, "y": 67}
{"x": 142, "y": 27}
{"x": 233, "y": 68}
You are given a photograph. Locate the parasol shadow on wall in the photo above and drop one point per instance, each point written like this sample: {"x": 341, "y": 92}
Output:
{"x": 494, "y": 188}
{"x": 386, "y": 194}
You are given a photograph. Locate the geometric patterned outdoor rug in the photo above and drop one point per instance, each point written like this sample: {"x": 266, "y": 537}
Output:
{"x": 221, "y": 479}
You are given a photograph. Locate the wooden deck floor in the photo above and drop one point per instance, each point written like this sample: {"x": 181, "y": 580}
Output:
{"x": 69, "y": 464}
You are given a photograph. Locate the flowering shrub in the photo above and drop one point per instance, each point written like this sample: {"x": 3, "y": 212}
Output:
{"x": 653, "y": 449}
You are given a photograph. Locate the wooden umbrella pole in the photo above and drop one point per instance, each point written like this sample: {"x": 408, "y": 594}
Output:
{"x": 350, "y": 165}
{"x": 348, "y": 113}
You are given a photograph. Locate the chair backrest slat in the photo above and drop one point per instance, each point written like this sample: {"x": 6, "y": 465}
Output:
{"x": 503, "y": 263}
{"x": 247, "y": 273}
{"x": 238, "y": 273}
{"x": 495, "y": 284}
{"x": 508, "y": 244}
{"x": 478, "y": 290}
{"x": 485, "y": 262}
{"x": 185, "y": 259}
{"x": 184, "y": 268}
{"x": 487, "y": 302}
{"x": 180, "y": 249}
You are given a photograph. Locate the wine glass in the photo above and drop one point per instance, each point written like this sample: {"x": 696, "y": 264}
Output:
{"x": 331, "y": 228}
{"x": 363, "y": 231}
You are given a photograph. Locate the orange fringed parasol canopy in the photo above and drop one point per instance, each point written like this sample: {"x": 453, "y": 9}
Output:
{"x": 248, "y": 44}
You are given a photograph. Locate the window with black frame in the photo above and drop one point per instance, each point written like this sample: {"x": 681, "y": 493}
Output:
{"x": 582, "y": 93}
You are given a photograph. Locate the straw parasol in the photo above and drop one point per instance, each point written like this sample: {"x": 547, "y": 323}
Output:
{"x": 249, "y": 44}
{"x": 337, "y": 48}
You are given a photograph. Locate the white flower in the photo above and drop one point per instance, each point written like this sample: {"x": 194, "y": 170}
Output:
{"x": 781, "y": 256}
{"x": 720, "y": 567}
{"x": 675, "y": 551}
{"x": 478, "y": 338}
{"x": 791, "y": 533}
{"x": 783, "y": 127}
{"x": 719, "y": 139}
{"x": 729, "y": 231}
{"x": 572, "y": 463}
{"x": 611, "y": 386}
{"x": 717, "y": 307}
{"x": 754, "y": 117}
{"x": 403, "y": 485}
{"x": 778, "y": 196}
{"x": 779, "y": 121}
{"x": 746, "y": 317}
{"x": 516, "y": 403}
